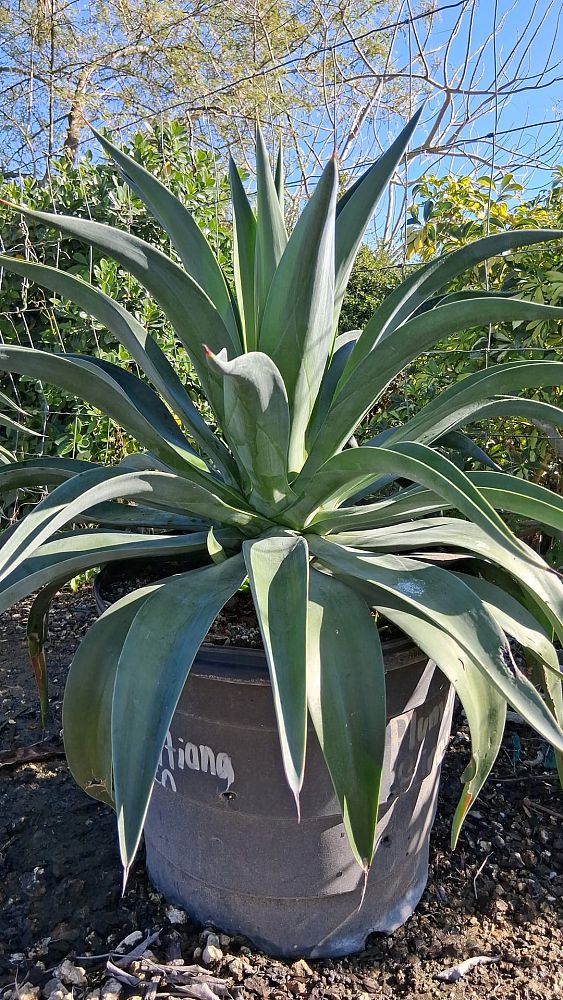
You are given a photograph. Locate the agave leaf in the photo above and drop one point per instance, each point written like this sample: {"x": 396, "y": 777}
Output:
{"x": 279, "y": 177}
{"x": 195, "y": 253}
{"x": 503, "y": 491}
{"x": 337, "y": 479}
{"x": 15, "y": 425}
{"x": 73, "y": 552}
{"x": 464, "y": 446}
{"x": 278, "y": 571}
{"x": 244, "y": 253}
{"x": 6, "y": 400}
{"x": 361, "y": 386}
{"x": 296, "y": 329}
{"x": 343, "y": 347}
{"x": 256, "y": 425}
{"x": 40, "y": 472}
{"x": 411, "y": 535}
{"x": 465, "y": 295}
{"x": 271, "y": 234}
{"x": 72, "y": 498}
{"x": 186, "y": 305}
{"x": 135, "y": 339}
{"x": 136, "y": 515}
{"x": 458, "y": 489}
{"x": 452, "y": 606}
{"x": 407, "y": 298}
{"x": 484, "y": 706}
{"x": 346, "y": 698}
{"x": 113, "y": 390}
{"x": 36, "y": 634}
{"x": 517, "y": 621}
{"x": 89, "y": 692}
{"x": 478, "y": 397}
{"x": 356, "y": 207}
{"x": 164, "y": 638}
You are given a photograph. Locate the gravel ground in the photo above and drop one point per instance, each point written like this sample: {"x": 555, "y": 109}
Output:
{"x": 499, "y": 895}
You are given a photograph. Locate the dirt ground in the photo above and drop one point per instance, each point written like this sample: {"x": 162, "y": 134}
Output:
{"x": 499, "y": 895}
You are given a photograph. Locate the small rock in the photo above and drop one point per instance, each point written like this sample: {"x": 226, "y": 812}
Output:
{"x": 93, "y": 995}
{"x": 301, "y": 969}
{"x": 211, "y": 953}
{"x": 212, "y": 939}
{"x": 176, "y": 916}
{"x": 111, "y": 989}
{"x": 149, "y": 955}
{"x": 197, "y": 954}
{"x": 61, "y": 994}
{"x": 239, "y": 968}
{"x": 207, "y": 932}
{"x": 71, "y": 974}
{"x": 51, "y": 986}
{"x": 236, "y": 969}
{"x": 224, "y": 940}
{"x": 297, "y": 988}
{"x": 28, "y": 992}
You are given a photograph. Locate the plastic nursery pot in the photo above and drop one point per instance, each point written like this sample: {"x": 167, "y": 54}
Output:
{"x": 222, "y": 838}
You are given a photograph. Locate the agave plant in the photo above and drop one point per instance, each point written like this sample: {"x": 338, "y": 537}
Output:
{"x": 332, "y": 537}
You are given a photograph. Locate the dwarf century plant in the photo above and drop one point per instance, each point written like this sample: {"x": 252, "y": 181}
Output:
{"x": 330, "y": 535}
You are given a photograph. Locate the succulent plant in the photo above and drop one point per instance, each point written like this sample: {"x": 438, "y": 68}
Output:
{"x": 333, "y": 537}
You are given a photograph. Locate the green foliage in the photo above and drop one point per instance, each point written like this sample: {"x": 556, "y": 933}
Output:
{"x": 325, "y": 532}
{"x": 29, "y": 317}
{"x": 375, "y": 274}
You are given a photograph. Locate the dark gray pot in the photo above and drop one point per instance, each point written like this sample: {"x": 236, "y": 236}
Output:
{"x": 222, "y": 837}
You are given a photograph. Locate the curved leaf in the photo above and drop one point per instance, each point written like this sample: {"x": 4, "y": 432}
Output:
{"x": 256, "y": 425}
{"x": 195, "y": 253}
{"x": 403, "y": 301}
{"x": 278, "y": 571}
{"x": 484, "y": 706}
{"x": 72, "y": 498}
{"x": 154, "y": 664}
{"x": 134, "y": 338}
{"x": 355, "y": 208}
{"x": 89, "y": 692}
{"x": 244, "y": 252}
{"x": 451, "y": 605}
{"x": 186, "y": 305}
{"x": 72, "y": 553}
{"x": 118, "y": 393}
{"x": 346, "y": 698}
{"x": 297, "y": 325}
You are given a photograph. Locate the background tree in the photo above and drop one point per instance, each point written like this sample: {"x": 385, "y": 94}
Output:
{"x": 324, "y": 73}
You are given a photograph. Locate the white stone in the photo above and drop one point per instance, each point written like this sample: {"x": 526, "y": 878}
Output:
{"x": 211, "y": 953}
{"x": 75, "y": 975}
{"x": 176, "y": 916}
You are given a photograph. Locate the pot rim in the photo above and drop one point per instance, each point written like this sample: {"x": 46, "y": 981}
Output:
{"x": 246, "y": 664}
